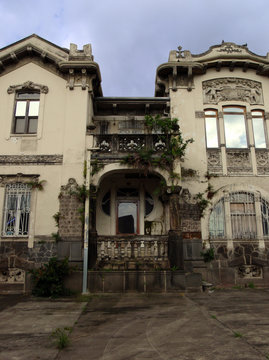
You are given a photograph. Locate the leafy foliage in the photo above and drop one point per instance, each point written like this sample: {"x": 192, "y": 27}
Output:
{"x": 61, "y": 337}
{"x": 168, "y": 132}
{"x": 48, "y": 280}
{"x": 208, "y": 255}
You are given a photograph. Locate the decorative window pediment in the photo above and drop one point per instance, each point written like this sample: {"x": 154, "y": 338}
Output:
{"x": 28, "y": 85}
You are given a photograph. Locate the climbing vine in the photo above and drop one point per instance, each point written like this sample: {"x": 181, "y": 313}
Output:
{"x": 203, "y": 199}
{"x": 171, "y": 140}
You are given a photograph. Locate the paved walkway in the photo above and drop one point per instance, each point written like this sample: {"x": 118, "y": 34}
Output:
{"x": 226, "y": 324}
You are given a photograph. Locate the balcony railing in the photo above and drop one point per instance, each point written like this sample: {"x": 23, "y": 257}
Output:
{"x": 132, "y": 248}
{"x": 117, "y": 143}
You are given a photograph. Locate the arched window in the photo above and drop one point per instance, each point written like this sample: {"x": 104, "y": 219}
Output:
{"x": 235, "y": 216}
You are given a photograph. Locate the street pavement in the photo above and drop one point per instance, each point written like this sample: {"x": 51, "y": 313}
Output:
{"x": 223, "y": 324}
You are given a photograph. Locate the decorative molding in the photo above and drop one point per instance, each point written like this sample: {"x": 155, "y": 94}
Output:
{"x": 262, "y": 160}
{"x": 229, "y": 89}
{"x": 250, "y": 271}
{"x": 214, "y": 163}
{"x": 17, "y": 178}
{"x": 28, "y": 85}
{"x": 199, "y": 114}
{"x": 229, "y": 48}
{"x": 31, "y": 159}
{"x": 131, "y": 143}
{"x": 238, "y": 161}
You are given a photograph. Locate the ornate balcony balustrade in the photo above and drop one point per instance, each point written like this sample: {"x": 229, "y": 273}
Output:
{"x": 151, "y": 248}
{"x": 117, "y": 143}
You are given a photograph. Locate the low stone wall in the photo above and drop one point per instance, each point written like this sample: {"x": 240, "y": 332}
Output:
{"x": 141, "y": 281}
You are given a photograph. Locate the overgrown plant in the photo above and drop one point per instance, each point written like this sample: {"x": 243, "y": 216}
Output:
{"x": 48, "y": 280}
{"x": 168, "y": 133}
{"x": 208, "y": 255}
{"x": 56, "y": 235}
{"x": 61, "y": 337}
{"x": 39, "y": 185}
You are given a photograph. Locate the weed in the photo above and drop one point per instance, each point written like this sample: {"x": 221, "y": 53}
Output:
{"x": 61, "y": 337}
{"x": 174, "y": 268}
{"x": 237, "y": 287}
{"x": 213, "y": 317}
{"x": 208, "y": 255}
{"x": 84, "y": 298}
{"x": 251, "y": 285}
{"x": 237, "y": 334}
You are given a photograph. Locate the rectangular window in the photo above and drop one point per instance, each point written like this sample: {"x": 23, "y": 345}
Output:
{"x": 258, "y": 128}
{"x": 26, "y": 113}
{"x": 211, "y": 128}
{"x": 235, "y": 127}
{"x": 16, "y": 210}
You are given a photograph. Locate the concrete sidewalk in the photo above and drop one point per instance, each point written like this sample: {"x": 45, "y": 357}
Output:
{"x": 226, "y": 324}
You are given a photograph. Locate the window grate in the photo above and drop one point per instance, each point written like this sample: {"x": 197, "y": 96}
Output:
{"x": 16, "y": 210}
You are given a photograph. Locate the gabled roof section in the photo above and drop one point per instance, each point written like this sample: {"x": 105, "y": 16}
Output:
{"x": 226, "y": 54}
{"x": 65, "y": 60}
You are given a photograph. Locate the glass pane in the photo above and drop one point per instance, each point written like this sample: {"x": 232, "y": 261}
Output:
{"x": 257, "y": 113}
{"x": 106, "y": 203}
{"x": 32, "y": 126}
{"x": 33, "y": 108}
{"x": 127, "y": 218}
{"x": 217, "y": 221}
{"x": 149, "y": 204}
{"x": 233, "y": 109}
{"x": 259, "y": 136}
{"x": 235, "y": 131}
{"x": 211, "y": 132}
{"x": 20, "y": 108}
{"x": 27, "y": 95}
{"x": 210, "y": 112}
{"x": 19, "y": 126}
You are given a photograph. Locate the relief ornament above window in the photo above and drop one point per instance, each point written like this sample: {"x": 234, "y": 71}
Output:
{"x": 227, "y": 89}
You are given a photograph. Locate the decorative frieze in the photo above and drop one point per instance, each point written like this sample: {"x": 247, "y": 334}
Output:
{"x": 238, "y": 161}
{"x": 199, "y": 114}
{"x": 214, "y": 163}
{"x": 250, "y": 271}
{"x": 262, "y": 160}
{"x": 129, "y": 144}
{"x": 229, "y": 89}
{"x": 31, "y": 159}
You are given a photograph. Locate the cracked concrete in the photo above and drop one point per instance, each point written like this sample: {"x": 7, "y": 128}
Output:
{"x": 226, "y": 324}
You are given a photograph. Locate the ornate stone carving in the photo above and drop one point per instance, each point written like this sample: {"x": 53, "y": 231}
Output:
{"x": 250, "y": 271}
{"x": 104, "y": 146}
{"x": 12, "y": 275}
{"x": 238, "y": 161}
{"x": 31, "y": 159}
{"x": 131, "y": 143}
{"x": 214, "y": 163}
{"x": 159, "y": 145}
{"x": 262, "y": 160}
{"x": 229, "y": 48}
{"x": 18, "y": 178}
{"x": 28, "y": 85}
{"x": 199, "y": 114}
{"x": 228, "y": 89}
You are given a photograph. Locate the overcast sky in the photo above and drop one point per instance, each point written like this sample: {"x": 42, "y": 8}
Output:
{"x": 130, "y": 38}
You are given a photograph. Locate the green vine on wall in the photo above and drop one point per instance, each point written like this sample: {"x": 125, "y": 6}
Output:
{"x": 203, "y": 199}
{"x": 168, "y": 132}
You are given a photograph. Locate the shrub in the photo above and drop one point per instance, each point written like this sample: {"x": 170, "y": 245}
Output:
{"x": 49, "y": 278}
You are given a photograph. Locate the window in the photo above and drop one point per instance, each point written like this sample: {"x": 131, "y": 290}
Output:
{"x": 26, "y": 113}
{"x": 241, "y": 217}
{"x": 16, "y": 210}
{"x": 211, "y": 128}
{"x": 235, "y": 127}
{"x": 258, "y": 128}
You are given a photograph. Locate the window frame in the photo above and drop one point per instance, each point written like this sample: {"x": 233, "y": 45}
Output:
{"x": 216, "y": 117}
{"x": 264, "y": 127}
{"x": 245, "y": 123}
{"x": 27, "y": 96}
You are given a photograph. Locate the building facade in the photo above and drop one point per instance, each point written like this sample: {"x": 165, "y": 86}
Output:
{"x": 80, "y": 171}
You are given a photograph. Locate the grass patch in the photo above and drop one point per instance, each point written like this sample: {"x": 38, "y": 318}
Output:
{"x": 61, "y": 337}
{"x": 237, "y": 334}
{"x": 213, "y": 317}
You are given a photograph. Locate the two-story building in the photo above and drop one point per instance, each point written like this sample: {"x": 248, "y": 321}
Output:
{"x": 87, "y": 177}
